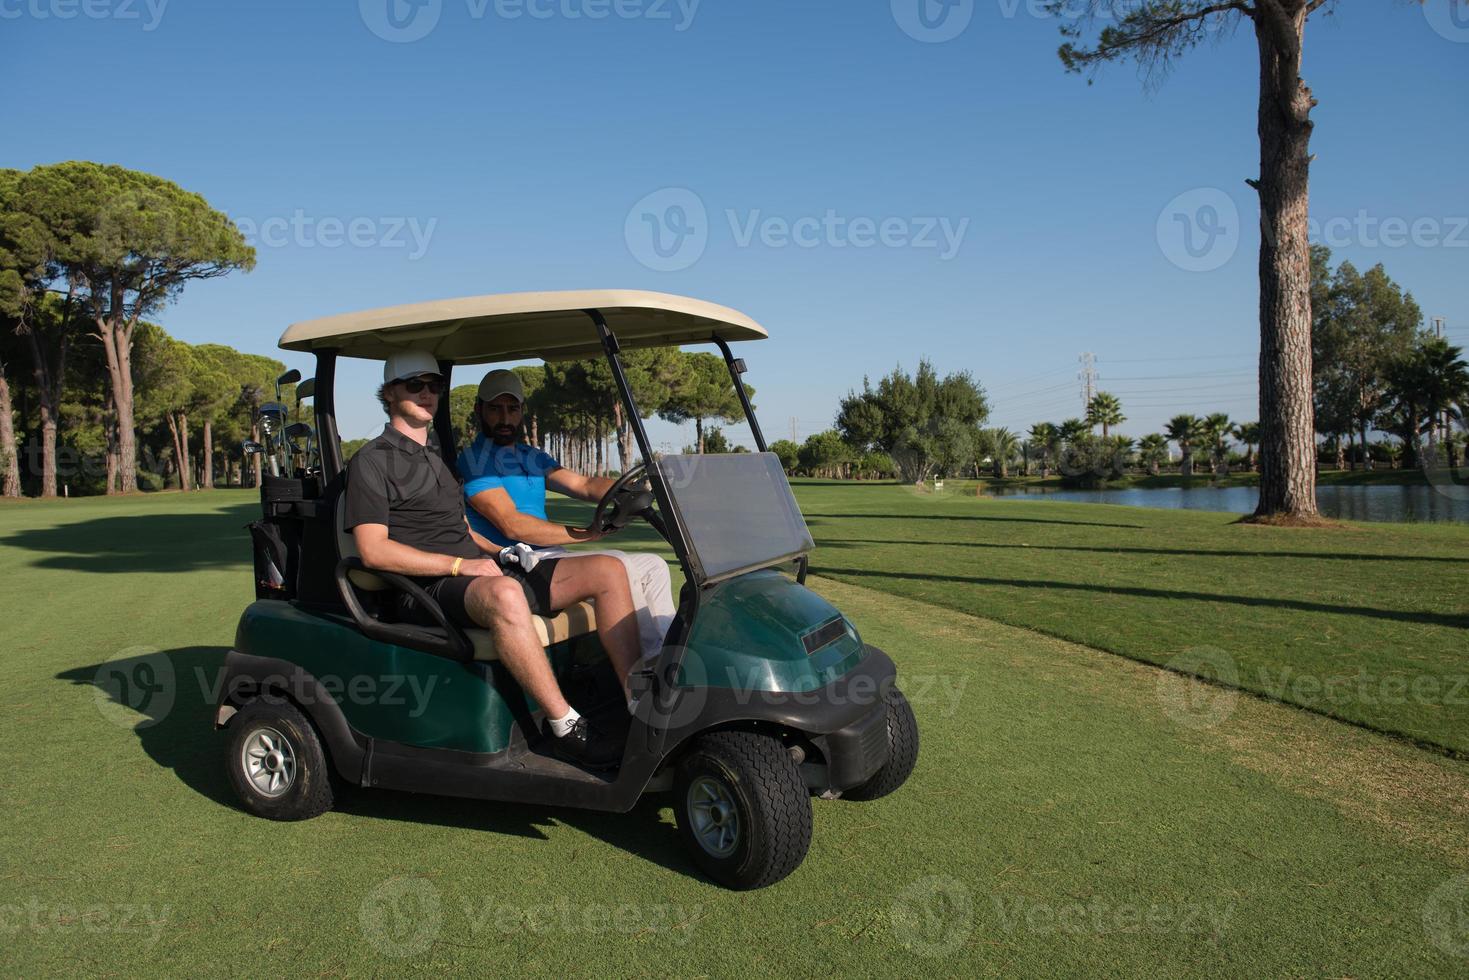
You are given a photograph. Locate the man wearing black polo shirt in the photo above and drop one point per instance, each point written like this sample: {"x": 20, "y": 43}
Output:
{"x": 405, "y": 509}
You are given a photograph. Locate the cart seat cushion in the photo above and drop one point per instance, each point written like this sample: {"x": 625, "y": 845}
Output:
{"x": 573, "y": 621}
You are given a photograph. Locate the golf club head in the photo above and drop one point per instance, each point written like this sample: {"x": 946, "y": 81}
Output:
{"x": 251, "y": 448}
{"x": 298, "y": 430}
{"x": 273, "y": 417}
{"x": 289, "y": 378}
{"x": 305, "y": 390}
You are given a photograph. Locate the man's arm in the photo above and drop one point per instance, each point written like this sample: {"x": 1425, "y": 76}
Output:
{"x": 574, "y": 484}
{"x": 497, "y": 507}
{"x": 384, "y": 554}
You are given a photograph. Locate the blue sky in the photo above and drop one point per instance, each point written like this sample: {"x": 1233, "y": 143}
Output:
{"x": 868, "y": 195}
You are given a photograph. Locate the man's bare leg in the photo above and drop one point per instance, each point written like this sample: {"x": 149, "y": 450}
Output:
{"x": 603, "y": 580}
{"x": 498, "y": 604}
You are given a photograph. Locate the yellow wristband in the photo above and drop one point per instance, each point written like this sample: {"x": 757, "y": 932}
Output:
{"x": 454, "y": 568}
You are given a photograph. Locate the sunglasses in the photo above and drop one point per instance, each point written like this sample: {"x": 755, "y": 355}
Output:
{"x": 436, "y": 385}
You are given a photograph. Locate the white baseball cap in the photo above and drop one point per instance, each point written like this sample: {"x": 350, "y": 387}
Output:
{"x": 501, "y": 382}
{"x": 409, "y": 364}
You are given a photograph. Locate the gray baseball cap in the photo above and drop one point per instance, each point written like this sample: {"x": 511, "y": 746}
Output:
{"x": 409, "y": 364}
{"x": 501, "y": 382}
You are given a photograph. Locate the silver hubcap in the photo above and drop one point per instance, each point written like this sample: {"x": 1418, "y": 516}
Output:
{"x": 269, "y": 762}
{"x": 714, "y": 817}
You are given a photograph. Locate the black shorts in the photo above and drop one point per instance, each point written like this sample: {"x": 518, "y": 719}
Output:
{"x": 450, "y": 590}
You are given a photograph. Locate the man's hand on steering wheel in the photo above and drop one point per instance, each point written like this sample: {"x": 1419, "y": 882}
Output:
{"x": 627, "y": 498}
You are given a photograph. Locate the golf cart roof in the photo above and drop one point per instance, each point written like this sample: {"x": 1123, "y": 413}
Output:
{"x": 516, "y": 326}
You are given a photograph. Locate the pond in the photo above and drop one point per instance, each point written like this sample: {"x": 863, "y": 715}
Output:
{"x": 1379, "y": 503}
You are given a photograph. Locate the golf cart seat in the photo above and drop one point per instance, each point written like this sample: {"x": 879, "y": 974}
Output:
{"x": 575, "y": 620}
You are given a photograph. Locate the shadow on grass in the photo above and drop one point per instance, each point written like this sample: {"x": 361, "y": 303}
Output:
{"x": 143, "y": 542}
{"x": 966, "y": 518}
{"x": 170, "y": 699}
{"x": 1459, "y": 621}
{"x": 1185, "y": 552}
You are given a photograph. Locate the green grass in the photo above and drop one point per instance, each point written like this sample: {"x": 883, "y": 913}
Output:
{"x": 1365, "y": 622}
{"x": 1069, "y": 813}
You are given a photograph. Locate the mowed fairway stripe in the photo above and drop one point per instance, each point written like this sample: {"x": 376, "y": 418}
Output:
{"x": 1062, "y": 819}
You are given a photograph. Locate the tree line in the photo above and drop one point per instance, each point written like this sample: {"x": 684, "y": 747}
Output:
{"x": 87, "y": 253}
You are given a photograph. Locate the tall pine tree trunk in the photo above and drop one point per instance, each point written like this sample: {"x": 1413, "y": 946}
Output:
{"x": 117, "y": 344}
{"x": 1287, "y": 428}
{"x": 9, "y": 460}
{"x": 206, "y": 476}
{"x": 48, "y": 395}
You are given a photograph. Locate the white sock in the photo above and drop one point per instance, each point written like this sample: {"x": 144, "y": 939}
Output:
{"x": 560, "y": 726}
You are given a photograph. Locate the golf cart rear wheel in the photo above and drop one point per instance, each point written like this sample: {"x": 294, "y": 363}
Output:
{"x": 276, "y": 762}
{"x": 902, "y": 752}
{"x": 742, "y": 809}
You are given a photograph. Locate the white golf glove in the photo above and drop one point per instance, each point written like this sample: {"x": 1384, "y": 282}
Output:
{"x": 520, "y": 554}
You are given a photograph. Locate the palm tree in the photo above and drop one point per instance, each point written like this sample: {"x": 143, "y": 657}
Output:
{"x": 1217, "y": 428}
{"x": 1002, "y": 445}
{"x": 1152, "y": 452}
{"x": 1249, "y": 434}
{"x": 1105, "y": 410}
{"x": 1431, "y": 383}
{"x": 1073, "y": 429}
{"x": 1184, "y": 430}
{"x": 1048, "y": 438}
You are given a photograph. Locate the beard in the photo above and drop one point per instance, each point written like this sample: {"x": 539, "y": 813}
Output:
{"x": 504, "y": 435}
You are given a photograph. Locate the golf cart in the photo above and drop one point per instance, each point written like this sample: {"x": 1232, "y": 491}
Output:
{"x": 763, "y": 695}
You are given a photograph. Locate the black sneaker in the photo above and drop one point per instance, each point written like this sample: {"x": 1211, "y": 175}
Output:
{"x": 584, "y": 745}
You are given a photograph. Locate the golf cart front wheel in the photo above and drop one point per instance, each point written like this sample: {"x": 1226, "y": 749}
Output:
{"x": 742, "y": 809}
{"x": 276, "y": 763}
{"x": 902, "y": 752}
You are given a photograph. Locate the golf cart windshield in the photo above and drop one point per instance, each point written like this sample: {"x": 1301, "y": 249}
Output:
{"x": 736, "y": 511}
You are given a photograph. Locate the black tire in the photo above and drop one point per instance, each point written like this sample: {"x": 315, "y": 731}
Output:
{"x": 307, "y": 792}
{"x": 902, "y": 752}
{"x": 762, "y": 789}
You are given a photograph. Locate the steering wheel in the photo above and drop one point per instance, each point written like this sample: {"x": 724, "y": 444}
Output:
{"x": 624, "y": 501}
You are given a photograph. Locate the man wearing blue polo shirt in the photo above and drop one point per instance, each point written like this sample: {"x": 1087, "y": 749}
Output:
{"x": 505, "y": 483}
